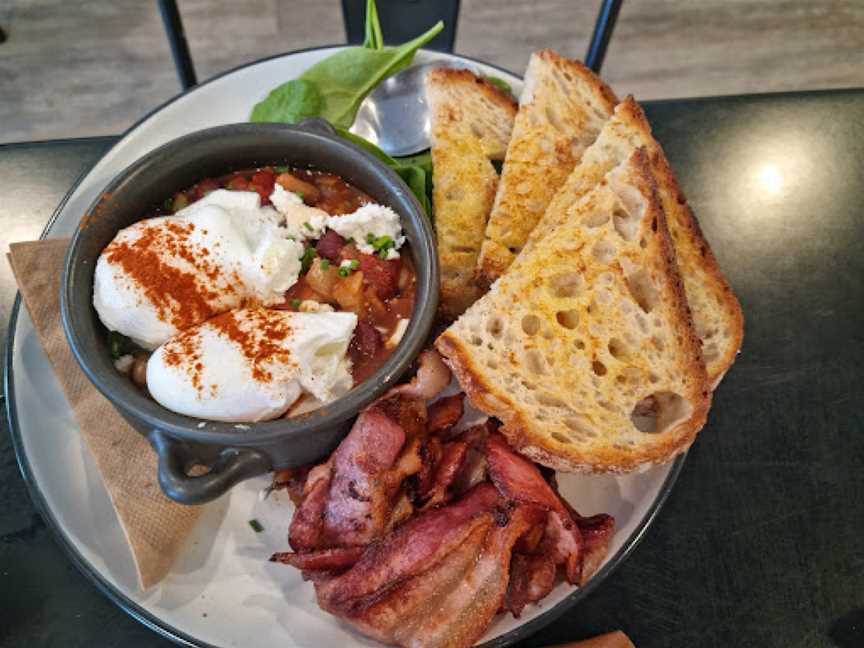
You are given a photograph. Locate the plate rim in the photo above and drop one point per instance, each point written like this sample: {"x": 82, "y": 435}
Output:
{"x": 150, "y": 620}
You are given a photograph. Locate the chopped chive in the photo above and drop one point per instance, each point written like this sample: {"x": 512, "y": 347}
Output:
{"x": 295, "y": 303}
{"x": 256, "y": 526}
{"x": 354, "y": 264}
{"x": 307, "y": 258}
{"x": 307, "y": 225}
{"x": 299, "y": 194}
{"x": 325, "y": 264}
{"x": 282, "y": 169}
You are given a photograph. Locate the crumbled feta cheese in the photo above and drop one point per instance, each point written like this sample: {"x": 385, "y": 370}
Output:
{"x": 301, "y": 221}
{"x": 375, "y": 220}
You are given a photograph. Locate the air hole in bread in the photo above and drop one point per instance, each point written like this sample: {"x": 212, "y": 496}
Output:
{"x": 609, "y": 407}
{"x": 642, "y": 290}
{"x": 599, "y": 368}
{"x": 593, "y": 308}
{"x": 492, "y": 364}
{"x": 531, "y": 324}
{"x": 658, "y": 343}
{"x": 495, "y": 327}
{"x": 710, "y": 352}
{"x": 596, "y": 219}
{"x": 560, "y": 438}
{"x": 534, "y": 361}
{"x": 476, "y": 340}
{"x": 603, "y": 251}
{"x": 549, "y": 400}
{"x": 626, "y": 225}
{"x": 569, "y": 319}
{"x": 552, "y": 116}
{"x": 653, "y": 378}
{"x": 455, "y": 194}
{"x": 580, "y": 345}
{"x": 477, "y": 130}
{"x": 643, "y": 243}
{"x": 579, "y": 426}
{"x": 617, "y": 349}
{"x": 565, "y": 284}
{"x": 660, "y": 412}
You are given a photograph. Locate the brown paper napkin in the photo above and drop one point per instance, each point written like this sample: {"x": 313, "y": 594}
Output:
{"x": 155, "y": 527}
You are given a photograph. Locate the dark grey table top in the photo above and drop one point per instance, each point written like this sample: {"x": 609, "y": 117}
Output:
{"x": 760, "y": 542}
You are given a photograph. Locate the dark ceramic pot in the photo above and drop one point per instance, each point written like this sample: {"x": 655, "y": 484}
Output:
{"x": 234, "y": 453}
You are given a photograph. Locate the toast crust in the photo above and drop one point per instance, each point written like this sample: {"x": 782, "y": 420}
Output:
{"x": 537, "y": 439}
{"x": 562, "y": 108}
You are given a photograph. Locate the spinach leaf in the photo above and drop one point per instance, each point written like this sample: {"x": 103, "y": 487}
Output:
{"x": 423, "y": 160}
{"x": 416, "y": 179}
{"x": 291, "y": 102}
{"x": 366, "y": 145}
{"x": 501, "y": 84}
{"x": 415, "y": 170}
{"x": 345, "y": 78}
{"x": 374, "y": 38}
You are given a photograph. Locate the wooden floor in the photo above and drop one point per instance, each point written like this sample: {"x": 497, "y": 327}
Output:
{"x": 90, "y": 68}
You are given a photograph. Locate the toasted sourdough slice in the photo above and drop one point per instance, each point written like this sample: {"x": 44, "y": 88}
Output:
{"x": 585, "y": 349}
{"x": 471, "y": 123}
{"x": 562, "y": 109}
{"x": 716, "y": 313}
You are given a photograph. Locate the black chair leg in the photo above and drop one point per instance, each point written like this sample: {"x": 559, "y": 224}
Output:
{"x": 602, "y": 34}
{"x": 2, "y": 35}
{"x": 177, "y": 40}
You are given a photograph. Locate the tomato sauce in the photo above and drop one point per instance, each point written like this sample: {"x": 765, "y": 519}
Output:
{"x": 381, "y": 292}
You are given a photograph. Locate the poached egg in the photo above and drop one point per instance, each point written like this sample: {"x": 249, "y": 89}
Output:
{"x": 163, "y": 275}
{"x": 252, "y": 364}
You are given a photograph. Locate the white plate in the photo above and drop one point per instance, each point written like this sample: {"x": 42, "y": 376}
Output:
{"x": 222, "y": 591}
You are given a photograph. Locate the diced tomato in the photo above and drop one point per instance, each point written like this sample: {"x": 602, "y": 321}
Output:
{"x": 238, "y": 183}
{"x": 203, "y": 188}
{"x": 302, "y": 291}
{"x": 330, "y": 245}
{"x": 263, "y": 182}
{"x": 383, "y": 275}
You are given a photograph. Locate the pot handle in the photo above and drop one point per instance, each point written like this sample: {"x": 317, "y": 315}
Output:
{"x": 230, "y": 466}
{"x": 317, "y": 125}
